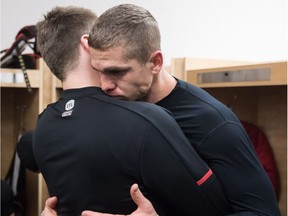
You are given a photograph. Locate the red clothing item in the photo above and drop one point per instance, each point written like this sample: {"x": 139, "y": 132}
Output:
{"x": 265, "y": 154}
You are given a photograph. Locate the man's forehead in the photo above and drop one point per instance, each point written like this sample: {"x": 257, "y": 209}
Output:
{"x": 103, "y": 65}
{"x": 110, "y": 60}
{"x": 114, "y": 53}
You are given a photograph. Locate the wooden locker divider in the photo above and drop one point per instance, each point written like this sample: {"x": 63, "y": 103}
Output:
{"x": 260, "y": 102}
{"x": 16, "y": 101}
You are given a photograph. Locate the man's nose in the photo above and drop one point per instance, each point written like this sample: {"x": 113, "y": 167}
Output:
{"x": 107, "y": 82}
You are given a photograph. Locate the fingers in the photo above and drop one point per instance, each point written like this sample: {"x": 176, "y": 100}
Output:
{"x": 136, "y": 194}
{"x": 50, "y": 207}
{"x": 139, "y": 198}
{"x": 51, "y": 202}
{"x": 145, "y": 207}
{"x": 91, "y": 213}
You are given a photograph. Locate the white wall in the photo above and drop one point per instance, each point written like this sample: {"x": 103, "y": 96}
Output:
{"x": 246, "y": 30}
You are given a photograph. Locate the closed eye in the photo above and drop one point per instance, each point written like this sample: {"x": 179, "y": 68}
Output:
{"x": 115, "y": 72}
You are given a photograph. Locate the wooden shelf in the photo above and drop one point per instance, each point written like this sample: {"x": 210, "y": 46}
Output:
{"x": 17, "y": 74}
{"x": 268, "y": 74}
{"x": 195, "y": 70}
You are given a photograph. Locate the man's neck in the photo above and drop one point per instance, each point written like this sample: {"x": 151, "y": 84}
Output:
{"x": 82, "y": 75}
{"x": 163, "y": 84}
{"x": 81, "y": 79}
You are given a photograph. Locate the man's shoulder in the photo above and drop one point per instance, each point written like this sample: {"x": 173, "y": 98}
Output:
{"x": 135, "y": 106}
{"x": 145, "y": 110}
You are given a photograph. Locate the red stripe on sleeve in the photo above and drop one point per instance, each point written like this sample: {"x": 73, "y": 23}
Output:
{"x": 205, "y": 177}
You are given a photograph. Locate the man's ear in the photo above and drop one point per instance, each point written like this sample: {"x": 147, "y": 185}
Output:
{"x": 156, "y": 59}
{"x": 84, "y": 41}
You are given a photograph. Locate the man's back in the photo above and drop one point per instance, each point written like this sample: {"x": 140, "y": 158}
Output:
{"x": 91, "y": 149}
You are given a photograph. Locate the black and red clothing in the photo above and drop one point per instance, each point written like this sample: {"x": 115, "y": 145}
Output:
{"x": 91, "y": 148}
{"x": 220, "y": 139}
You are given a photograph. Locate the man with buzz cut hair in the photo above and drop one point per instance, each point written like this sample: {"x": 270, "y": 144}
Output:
{"x": 125, "y": 51}
{"x": 90, "y": 148}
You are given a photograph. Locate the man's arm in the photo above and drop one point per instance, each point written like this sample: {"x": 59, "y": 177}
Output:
{"x": 145, "y": 207}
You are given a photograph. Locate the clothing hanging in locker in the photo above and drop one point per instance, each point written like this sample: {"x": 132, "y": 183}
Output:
{"x": 265, "y": 153}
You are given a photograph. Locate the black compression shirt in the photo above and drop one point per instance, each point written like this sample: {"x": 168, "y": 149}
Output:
{"x": 219, "y": 138}
{"x": 91, "y": 148}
